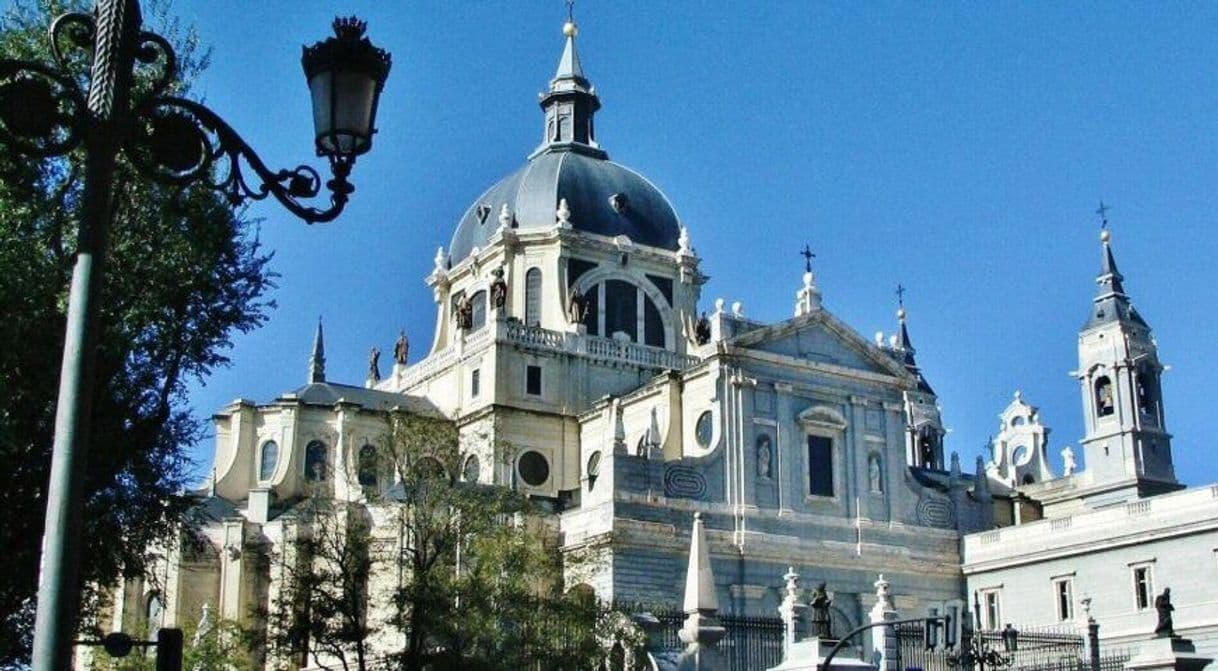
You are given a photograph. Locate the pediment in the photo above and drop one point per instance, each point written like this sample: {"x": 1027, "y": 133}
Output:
{"x": 822, "y": 338}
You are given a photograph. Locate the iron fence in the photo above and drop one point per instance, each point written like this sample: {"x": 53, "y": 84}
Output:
{"x": 1037, "y": 650}
{"x": 750, "y": 642}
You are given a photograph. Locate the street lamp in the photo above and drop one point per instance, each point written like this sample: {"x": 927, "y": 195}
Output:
{"x": 45, "y": 111}
{"x": 975, "y": 649}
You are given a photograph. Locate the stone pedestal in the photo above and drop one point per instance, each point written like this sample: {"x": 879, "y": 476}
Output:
{"x": 1168, "y": 654}
{"x": 807, "y": 655}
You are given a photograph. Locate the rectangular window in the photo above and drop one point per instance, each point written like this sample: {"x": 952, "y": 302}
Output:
{"x": 820, "y": 466}
{"x": 532, "y": 381}
{"x": 1063, "y": 596}
{"x": 1143, "y": 587}
{"x": 474, "y": 382}
{"x": 991, "y": 609}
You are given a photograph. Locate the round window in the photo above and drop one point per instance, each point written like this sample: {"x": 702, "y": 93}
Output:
{"x": 594, "y": 465}
{"x": 533, "y": 468}
{"x": 704, "y": 429}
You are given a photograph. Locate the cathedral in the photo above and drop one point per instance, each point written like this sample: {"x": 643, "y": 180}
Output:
{"x": 580, "y": 366}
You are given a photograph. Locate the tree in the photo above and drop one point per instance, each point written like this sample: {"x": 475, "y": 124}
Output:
{"x": 184, "y": 273}
{"x": 455, "y": 575}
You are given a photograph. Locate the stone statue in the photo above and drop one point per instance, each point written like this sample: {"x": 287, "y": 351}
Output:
{"x": 577, "y": 308}
{"x": 764, "y": 456}
{"x": 1164, "y": 628}
{"x": 820, "y": 612}
{"x": 702, "y": 330}
{"x": 1069, "y": 463}
{"x": 465, "y": 313}
{"x": 400, "y": 349}
{"x": 374, "y": 364}
{"x": 499, "y": 289}
{"x": 873, "y": 473}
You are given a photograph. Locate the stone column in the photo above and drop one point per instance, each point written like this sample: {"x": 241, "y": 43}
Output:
{"x": 884, "y": 639}
{"x": 702, "y": 631}
{"x": 791, "y": 611}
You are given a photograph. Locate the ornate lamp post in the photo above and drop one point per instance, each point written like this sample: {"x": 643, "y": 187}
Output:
{"x": 975, "y": 650}
{"x": 48, "y": 110}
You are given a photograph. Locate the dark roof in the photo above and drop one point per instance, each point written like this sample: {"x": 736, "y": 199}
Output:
{"x": 329, "y": 393}
{"x": 587, "y": 182}
{"x": 1111, "y": 302}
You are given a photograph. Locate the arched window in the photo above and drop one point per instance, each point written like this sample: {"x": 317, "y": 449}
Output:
{"x": 1147, "y": 395}
{"x": 532, "y": 297}
{"x": 315, "y": 461}
{"x": 618, "y": 306}
{"x": 1104, "y": 405}
{"x": 478, "y": 301}
{"x": 369, "y": 466}
{"x": 472, "y": 469}
{"x": 268, "y": 460}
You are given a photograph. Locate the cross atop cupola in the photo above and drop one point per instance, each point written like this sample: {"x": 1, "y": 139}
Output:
{"x": 571, "y": 103}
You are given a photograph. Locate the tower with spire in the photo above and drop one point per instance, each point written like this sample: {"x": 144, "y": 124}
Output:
{"x": 924, "y": 434}
{"x": 1126, "y": 445}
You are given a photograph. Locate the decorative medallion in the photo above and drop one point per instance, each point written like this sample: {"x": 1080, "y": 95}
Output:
{"x": 684, "y": 482}
{"x": 936, "y": 512}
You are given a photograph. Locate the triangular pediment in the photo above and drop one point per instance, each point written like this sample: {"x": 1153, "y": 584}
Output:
{"x": 822, "y": 338}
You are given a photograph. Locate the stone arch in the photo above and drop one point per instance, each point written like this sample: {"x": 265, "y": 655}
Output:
{"x": 602, "y": 274}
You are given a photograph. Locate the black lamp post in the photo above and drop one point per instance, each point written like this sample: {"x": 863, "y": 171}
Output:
{"x": 976, "y": 650}
{"x": 45, "y": 112}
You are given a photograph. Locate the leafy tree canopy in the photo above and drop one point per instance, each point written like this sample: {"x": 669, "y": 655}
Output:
{"x": 185, "y": 272}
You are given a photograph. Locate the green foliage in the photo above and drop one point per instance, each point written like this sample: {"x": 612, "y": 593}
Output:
{"x": 474, "y": 581}
{"x": 223, "y": 646}
{"x": 184, "y": 273}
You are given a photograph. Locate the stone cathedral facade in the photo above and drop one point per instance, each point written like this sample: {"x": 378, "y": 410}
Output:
{"x": 570, "y": 326}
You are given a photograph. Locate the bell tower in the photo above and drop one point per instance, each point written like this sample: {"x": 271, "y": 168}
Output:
{"x": 1126, "y": 446}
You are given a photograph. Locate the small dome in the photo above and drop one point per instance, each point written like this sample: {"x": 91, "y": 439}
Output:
{"x": 604, "y": 197}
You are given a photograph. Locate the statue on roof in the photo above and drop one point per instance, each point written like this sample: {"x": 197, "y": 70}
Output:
{"x": 577, "y": 308}
{"x": 374, "y": 364}
{"x": 401, "y": 349}
{"x": 702, "y": 330}
{"x": 499, "y": 289}
{"x": 464, "y": 313}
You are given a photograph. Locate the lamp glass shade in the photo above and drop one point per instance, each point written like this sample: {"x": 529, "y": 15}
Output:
{"x": 344, "y": 106}
{"x": 345, "y": 74}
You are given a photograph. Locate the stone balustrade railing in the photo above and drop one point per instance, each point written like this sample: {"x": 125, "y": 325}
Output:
{"x": 532, "y": 336}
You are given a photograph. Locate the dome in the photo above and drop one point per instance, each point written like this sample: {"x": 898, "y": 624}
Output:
{"x": 604, "y": 197}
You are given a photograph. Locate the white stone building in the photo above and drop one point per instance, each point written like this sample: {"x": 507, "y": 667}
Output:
{"x": 574, "y": 353}
{"x": 1105, "y": 541}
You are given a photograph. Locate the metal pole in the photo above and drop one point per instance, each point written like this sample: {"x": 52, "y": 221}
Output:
{"x": 55, "y": 625}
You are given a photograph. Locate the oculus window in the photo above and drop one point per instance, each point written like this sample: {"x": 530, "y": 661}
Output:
{"x": 533, "y": 468}
{"x": 472, "y": 469}
{"x": 704, "y": 429}
{"x": 820, "y": 466}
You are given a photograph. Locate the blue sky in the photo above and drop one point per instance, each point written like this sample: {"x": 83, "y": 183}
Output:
{"x": 959, "y": 149}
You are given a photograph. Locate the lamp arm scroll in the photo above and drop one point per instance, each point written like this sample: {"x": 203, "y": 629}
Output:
{"x": 180, "y": 142}
{"x": 824, "y": 666}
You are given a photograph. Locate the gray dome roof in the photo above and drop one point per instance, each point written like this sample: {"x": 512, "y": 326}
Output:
{"x": 588, "y": 182}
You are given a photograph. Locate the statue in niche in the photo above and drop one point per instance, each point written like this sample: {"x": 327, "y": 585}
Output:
{"x": 820, "y": 612}
{"x": 1164, "y": 628}
{"x": 464, "y": 313}
{"x": 764, "y": 456}
{"x": 499, "y": 289}
{"x": 702, "y": 330}
{"x": 374, "y": 364}
{"x": 873, "y": 474}
{"x": 577, "y": 308}
{"x": 401, "y": 349}
{"x": 1069, "y": 462}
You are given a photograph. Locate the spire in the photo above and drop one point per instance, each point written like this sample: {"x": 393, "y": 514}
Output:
{"x": 903, "y": 345}
{"x": 570, "y": 103}
{"x": 1111, "y": 302}
{"x": 317, "y": 363}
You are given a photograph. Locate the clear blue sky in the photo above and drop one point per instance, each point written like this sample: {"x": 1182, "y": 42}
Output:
{"x": 959, "y": 149}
